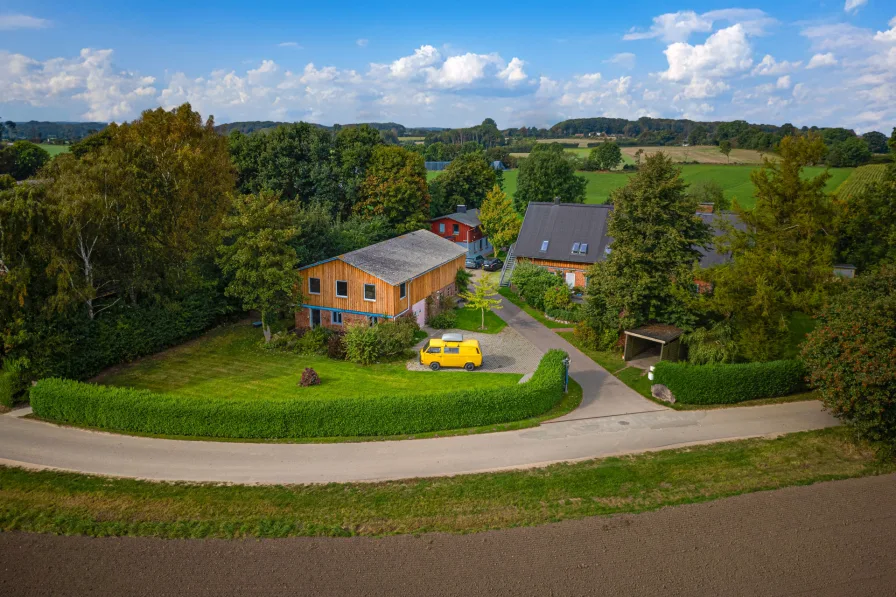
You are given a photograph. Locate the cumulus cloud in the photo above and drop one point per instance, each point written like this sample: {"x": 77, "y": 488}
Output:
{"x": 9, "y": 22}
{"x": 783, "y": 82}
{"x": 769, "y": 66}
{"x": 889, "y": 36}
{"x": 678, "y": 26}
{"x": 854, "y": 5}
{"x": 701, "y": 67}
{"x": 822, "y": 60}
{"x": 623, "y": 59}
{"x": 410, "y": 66}
{"x": 513, "y": 73}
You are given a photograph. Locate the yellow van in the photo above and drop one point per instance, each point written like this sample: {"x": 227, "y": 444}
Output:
{"x": 451, "y": 351}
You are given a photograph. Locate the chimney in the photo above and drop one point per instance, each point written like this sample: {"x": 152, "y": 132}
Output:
{"x": 461, "y": 209}
{"x": 556, "y": 200}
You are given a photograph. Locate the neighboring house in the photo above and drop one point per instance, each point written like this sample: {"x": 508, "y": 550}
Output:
{"x": 463, "y": 227}
{"x": 570, "y": 237}
{"x": 383, "y": 281}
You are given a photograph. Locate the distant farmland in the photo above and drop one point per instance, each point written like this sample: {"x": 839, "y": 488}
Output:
{"x": 735, "y": 180}
{"x": 705, "y": 154}
{"x": 54, "y": 150}
{"x": 862, "y": 177}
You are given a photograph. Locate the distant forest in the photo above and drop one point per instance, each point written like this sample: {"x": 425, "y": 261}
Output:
{"x": 42, "y": 132}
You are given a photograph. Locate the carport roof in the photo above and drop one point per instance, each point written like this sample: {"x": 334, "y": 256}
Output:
{"x": 658, "y": 332}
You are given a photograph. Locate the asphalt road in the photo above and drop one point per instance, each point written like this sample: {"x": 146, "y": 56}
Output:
{"x": 836, "y": 538}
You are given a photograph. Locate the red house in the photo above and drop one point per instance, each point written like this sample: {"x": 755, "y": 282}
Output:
{"x": 463, "y": 228}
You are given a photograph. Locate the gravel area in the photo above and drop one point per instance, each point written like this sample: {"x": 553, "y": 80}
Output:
{"x": 504, "y": 352}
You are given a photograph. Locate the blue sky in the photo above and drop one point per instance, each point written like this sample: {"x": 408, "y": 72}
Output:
{"x": 437, "y": 64}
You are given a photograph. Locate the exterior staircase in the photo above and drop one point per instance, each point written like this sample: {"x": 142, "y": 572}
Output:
{"x": 509, "y": 264}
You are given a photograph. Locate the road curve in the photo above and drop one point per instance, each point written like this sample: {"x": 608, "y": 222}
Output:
{"x": 36, "y": 444}
{"x": 828, "y": 539}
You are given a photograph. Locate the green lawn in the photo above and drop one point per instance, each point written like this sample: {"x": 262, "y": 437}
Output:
{"x": 72, "y": 504}
{"x": 735, "y": 180}
{"x": 514, "y": 298}
{"x": 228, "y": 363}
{"x": 609, "y": 360}
{"x": 471, "y": 320}
{"x": 54, "y": 150}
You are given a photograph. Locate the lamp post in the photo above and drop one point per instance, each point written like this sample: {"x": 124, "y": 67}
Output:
{"x": 566, "y": 376}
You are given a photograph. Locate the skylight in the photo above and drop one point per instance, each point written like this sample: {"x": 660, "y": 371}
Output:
{"x": 583, "y": 249}
{"x": 575, "y": 248}
{"x": 544, "y": 246}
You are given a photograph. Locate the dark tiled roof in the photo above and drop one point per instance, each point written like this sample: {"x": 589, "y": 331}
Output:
{"x": 660, "y": 332}
{"x": 562, "y": 224}
{"x": 404, "y": 257}
{"x": 470, "y": 217}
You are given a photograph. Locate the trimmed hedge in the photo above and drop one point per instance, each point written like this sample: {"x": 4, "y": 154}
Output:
{"x": 9, "y": 387}
{"x": 727, "y": 384}
{"x": 142, "y": 411}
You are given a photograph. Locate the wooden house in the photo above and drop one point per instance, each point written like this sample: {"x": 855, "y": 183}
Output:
{"x": 386, "y": 280}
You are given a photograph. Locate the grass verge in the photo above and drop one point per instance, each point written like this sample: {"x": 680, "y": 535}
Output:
{"x": 517, "y": 300}
{"x": 470, "y": 320}
{"x": 74, "y": 504}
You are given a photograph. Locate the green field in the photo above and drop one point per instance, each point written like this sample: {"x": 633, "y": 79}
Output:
{"x": 735, "y": 180}
{"x": 54, "y": 150}
{"x": 228, "y": 363}
{"x": 862, "y": 177}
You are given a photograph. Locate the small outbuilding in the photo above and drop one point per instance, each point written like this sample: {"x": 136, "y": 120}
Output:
{"x": 659, "y": 340}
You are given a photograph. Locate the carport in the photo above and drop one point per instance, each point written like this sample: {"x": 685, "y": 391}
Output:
{"x": 654, "y": 342}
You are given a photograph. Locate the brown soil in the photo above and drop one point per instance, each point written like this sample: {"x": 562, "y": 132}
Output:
{"x": 835, "y": 538}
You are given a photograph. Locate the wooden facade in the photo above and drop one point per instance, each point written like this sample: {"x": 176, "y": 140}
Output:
{"x": 577, "y": 269}
{"x": 388, "y": 302}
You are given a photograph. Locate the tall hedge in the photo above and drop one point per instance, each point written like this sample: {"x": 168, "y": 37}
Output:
{"x": 727, "y": 384}
{"x": 132, "y": 410}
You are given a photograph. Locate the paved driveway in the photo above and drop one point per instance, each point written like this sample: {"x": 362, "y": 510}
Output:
{"x": 508, "y": 351}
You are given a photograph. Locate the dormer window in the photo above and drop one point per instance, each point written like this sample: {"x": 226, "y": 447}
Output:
{"x": 575, "y": 248}
{"x": 544, "y": 246}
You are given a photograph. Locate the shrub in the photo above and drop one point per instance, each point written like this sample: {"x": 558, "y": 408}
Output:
{"x": 557, "y": 298}
{"x": 572, "y": 315}
{"x": 708, "y": 346}
{"x": 362, "y": 344}
{"x": 396, "y": 336}
{"x": 728, "y": 384}
{"x": 533, "y": 282}
{"x": 851, "y": 355}
{"x": 309, "y": 378}
{"x": 462, "y": 280}
{"x": 313, "y": 341}
{"x": 142, "y": 411}
{"x": 281, "y": 341}
{"x": 336, "y": 346}
{"x": 13, "y": 381}
{"x": 443, "y": 321}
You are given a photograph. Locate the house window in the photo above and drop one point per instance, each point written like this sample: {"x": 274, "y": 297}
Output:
{"x": 455, "y": 229}
{"x": 544, "y": 246}
{"x": 342, "y": 288}
{"x": 373, "y": 320}
{"x": 314, "y": 285}
{"x": 370, "y": 292}
{"x": 575, "y": 248}
{"x": 442, "y": 227}
{"x": 480, "y": 244}
{"x": 402, "y": 290}
{"x": 583, "y": 250}
{"x": 336, "y": 317}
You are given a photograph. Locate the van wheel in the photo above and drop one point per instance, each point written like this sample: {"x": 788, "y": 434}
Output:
{"x": 434, "y": 366}
{"x": 469, "y": 366}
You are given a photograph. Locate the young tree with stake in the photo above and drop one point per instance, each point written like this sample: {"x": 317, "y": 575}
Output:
{"x": 482, "y": 297}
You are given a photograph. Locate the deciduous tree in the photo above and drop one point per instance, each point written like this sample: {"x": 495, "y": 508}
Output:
{"x": 499, "y": 222}
{"x": 257, "y": 256}
{"x": 605, "y": 156}
{"x": 483, "y": 296}
{"x": 545, "y": 175}
{"x": 725, "y": 148}
{"x": 23, "y": 159}
{"x": 395, "y": 188}
{"x": 466, "y": 181}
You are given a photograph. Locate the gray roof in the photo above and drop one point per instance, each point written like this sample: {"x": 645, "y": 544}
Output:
{"x": 661, "y": 332}
{"x": 470, "y": 217}
{"x": 404, "y": 257}
{"x": 564, "y": 224}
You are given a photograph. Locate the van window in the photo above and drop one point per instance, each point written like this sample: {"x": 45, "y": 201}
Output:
{"x": 452, "y": 350}
{"x": 434, "y": 350}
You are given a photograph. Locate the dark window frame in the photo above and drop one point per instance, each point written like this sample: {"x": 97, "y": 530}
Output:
{"x": 310, "y": 291}
{"x": 369, "y": 300}
{"x": 336, "y": 288}
{"x": 403, "y": 290}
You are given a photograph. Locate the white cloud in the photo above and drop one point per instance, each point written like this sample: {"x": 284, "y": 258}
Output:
{"x": 289, "y": 44}
{"x": 678, "y": 26}
{"x": 725, "y": 53}
{"x": 588, "y": 80}
{"x": 410, "y": 66}
{"x": 20, "y": 21}
{"x": 362, "y": 43}
{"x": 822, "y": 60}
{"x": 463, "y": 70}
{"x": 623, "y": 59}
{"x": 513, "y": 74}
{"x": 854, "y": 5}
{"x": 770, "y": 66}
{"x": 783, "y": 82}
{"x": 837, "y": 36}
{"x": 889, "y": 36}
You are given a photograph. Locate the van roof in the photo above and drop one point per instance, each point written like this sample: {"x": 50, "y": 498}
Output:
{"x": 440, "y": 342}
